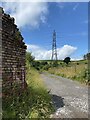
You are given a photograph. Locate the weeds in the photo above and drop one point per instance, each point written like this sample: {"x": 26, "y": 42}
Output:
{"x": 33, "y": 102}
{"x": 75, "y": 71}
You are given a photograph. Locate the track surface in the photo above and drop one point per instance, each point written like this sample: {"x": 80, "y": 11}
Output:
{"x": 70, "y": 98}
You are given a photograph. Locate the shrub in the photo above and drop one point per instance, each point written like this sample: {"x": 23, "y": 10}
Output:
{"x": 77, "y": 63}
{"x": 74, "y": 77}
{"x": 66, "y": 60}
{"x": 55, "y": 64}
{"x": 46, "y": 67}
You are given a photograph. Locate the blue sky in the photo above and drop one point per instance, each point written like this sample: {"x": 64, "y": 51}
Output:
{"x": 38, "y": 20}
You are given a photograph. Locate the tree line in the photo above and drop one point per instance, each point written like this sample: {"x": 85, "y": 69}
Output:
{"x": 43, "y": 64}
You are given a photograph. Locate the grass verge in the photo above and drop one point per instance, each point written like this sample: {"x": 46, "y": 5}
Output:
{"x": 78, "y": 72}
{"x": 34, "y": 102}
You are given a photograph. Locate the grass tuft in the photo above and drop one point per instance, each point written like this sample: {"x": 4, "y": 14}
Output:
{"x": 34, "y": 102}
{"x": 75, "y": 71}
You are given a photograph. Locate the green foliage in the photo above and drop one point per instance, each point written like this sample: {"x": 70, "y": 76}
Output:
{"x": 76, "y": 70}
{"x": 82, "y": 76}
{"x": 77, "y": 63}
{"x": 32, "y": 102}
{"x": 61, "y": 74}
{"x": 14, "y": 102}
{"x": 29, "y": 57}
{"x": 86, "y": 56}
{"x": 54, "y": 63}
{"x": 41, "y": 65}
{"x": 46, "y": 67}
{"x": 67, "y": 60}
{"x": 37, "y": 65}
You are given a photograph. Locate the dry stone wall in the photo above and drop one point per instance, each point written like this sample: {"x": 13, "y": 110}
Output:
{"x": 13, "y": 52}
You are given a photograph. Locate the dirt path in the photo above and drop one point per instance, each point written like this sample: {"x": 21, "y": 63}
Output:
{"x": 70, "y": 98}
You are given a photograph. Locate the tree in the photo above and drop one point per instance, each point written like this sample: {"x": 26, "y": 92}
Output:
{"x": 66, "y": 60}
{"x": 87, "y": 56}
{"x": 29, "y": 58}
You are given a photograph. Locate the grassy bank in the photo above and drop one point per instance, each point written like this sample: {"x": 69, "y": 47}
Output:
{"x": 42, "y": 106}
{"x": 34, "y": 102}
{"x": 75, "y": 71}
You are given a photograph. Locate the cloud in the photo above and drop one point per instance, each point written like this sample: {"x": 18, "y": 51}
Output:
{"x": 65, "y": 51}
{"x": 27, "y": 14}
{"x": 42, "y": 54}
{"x": 76, "y": 59}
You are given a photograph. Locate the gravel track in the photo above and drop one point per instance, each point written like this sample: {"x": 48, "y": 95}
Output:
{"x": 70, "y": 98}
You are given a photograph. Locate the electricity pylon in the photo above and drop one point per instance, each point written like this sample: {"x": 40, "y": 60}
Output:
{"x": 54, "y": 47}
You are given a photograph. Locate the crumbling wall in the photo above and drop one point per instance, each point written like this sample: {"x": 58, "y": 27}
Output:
{"x": 13, "y": 52}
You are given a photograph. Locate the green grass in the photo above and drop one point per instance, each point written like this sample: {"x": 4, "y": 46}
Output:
{"x": 42, "y": 106}
{"x": 76, "y": 70}
{"x": 34, "y": 102}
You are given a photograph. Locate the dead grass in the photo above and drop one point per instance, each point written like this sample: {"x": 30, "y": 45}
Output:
{"x": 70, "y": 71}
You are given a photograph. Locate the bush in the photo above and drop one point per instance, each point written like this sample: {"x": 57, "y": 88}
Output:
{"x": 55, "y": 64}
{"x": 46, "y": 67}
{"x": 74, "y": 77}
{"x": 29, "y": 58}
{"x": 82, "y": 76}
{"x": 66, "y": 60}
{"x": 77, "y": 63}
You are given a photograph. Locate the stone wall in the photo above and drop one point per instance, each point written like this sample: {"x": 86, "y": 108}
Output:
{"x": 13, "y": 52}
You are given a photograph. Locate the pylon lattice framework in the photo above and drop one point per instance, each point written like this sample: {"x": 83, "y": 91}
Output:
{"x": 54, "y": 48}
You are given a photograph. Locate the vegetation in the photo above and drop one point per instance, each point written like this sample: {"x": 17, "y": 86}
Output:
{"x": 29, "y": 58}
{"x": 33, "y": 102}
{"x": 67, "y": 60}
{"x": 75, "y": 70}
{"x": 35, "y": 64}
{"x": 86, "y": 56}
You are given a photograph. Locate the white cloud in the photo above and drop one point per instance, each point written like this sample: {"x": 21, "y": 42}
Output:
{"x": 32, "y": 47}
{"x": 27, "y": 14}
{"x": 65, "y": 51}
{"x": 42, "y": 54}
{"x": 76, "y": 59}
